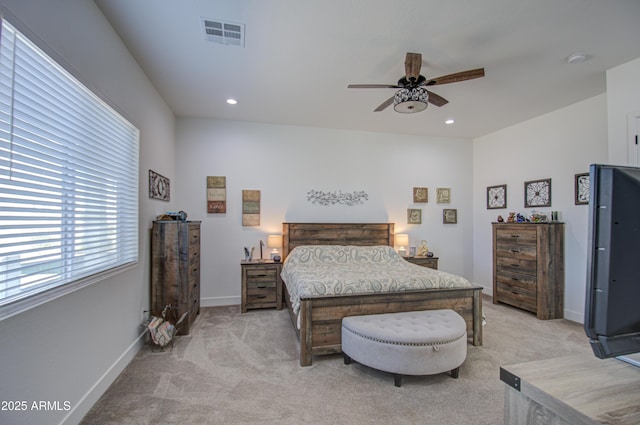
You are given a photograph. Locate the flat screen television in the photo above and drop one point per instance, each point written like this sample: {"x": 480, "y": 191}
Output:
{"x": 612, "y": 311}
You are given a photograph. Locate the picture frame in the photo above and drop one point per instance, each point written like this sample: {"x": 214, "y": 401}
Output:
{"x": 537, "y": 193}
{"x": 420, "y": 195}
{"x": 159, "y": 187}
{"x": 443, "y": 195}
{"x": 497, "y": 197}
{"x": 414, "y": 216}
{"x": 582, "y": 189}
{"x": 449, "y": 216}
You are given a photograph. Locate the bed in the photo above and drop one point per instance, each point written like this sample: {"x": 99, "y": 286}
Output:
{"x": 317, "y": 318}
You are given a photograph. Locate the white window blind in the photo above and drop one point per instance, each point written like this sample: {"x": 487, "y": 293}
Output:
{"x": 68, "y": 178}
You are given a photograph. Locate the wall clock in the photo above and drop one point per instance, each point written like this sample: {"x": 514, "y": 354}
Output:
{"x": 497, "y": 197}
{"x": 537, "y": 193}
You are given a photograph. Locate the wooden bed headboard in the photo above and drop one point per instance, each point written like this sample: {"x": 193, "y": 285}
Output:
{"x": 296, "y": 234}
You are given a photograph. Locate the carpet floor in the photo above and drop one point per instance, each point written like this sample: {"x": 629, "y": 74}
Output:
{"x": 238, "y": 368}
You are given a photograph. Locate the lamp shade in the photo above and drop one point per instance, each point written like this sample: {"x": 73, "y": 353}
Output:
{"x": 274, "y": 241}
{"x": 410, "y": 100}
{"x": 402, "y": 239}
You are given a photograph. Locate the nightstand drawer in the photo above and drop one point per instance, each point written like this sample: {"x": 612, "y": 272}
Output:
{"x": 260, "y": 274}
{"x": 430, "y": 262}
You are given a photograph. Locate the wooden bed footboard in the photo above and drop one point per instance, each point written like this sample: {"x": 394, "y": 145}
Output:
{"x": 320, "y": 329}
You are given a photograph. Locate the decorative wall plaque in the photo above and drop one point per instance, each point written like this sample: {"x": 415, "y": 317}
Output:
{"x": 159, "y": 186}
{"x": 331, "y": 198}
{"x": 216, "y": 194}
{"x": 449, "y": 216}
{"x": 420, "y": 195}
{"x": 497, "y": 197}
{"x": 443, "y": 195}
{"x": 414, "y": 216}
{"x": 582, "y": 189}
{"x": 537, "y": 193}
{"x": 251, "y": 208}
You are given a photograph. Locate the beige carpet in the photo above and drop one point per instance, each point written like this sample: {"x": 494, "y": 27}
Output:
{"x": 243, "y": 369}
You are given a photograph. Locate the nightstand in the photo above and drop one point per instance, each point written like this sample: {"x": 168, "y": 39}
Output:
{"x": 431, "y": 262}
{"x": 261, "y": 285}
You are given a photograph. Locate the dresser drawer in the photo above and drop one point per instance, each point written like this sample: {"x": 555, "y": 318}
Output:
{"x": 517, "y": 251}
{"x": 516, "y": 296}
{"x": 516, "y": 235}
{"x": 194, "y": 235}
{"x": 515, "y": 264}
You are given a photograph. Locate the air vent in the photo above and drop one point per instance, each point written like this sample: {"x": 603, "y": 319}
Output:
{"x": 218, "y": 31}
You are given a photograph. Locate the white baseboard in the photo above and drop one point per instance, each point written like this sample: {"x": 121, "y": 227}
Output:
{"x": 85, "y": 404}
{"x": 219, "y": 301}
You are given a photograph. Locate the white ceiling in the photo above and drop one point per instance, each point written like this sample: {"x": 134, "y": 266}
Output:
{"x": 300, "y": 55}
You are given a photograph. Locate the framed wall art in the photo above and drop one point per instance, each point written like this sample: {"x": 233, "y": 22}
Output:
{"x": 159, "y": 186}
{"x": 537, "y": 193}
{"x": 582, "y": 188}
{"x": 216, "y": 194}
{"x": 414, "y": 216}
{"x": 443, "y": 195}
{"x": 496, "y": 197}
{"x": 449, "y": 216}
{"x": 420, "y": 195}
{"x": 251, "y": 208}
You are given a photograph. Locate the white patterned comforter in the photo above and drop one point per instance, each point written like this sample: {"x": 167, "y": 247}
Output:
{"x": 329, "y": 270}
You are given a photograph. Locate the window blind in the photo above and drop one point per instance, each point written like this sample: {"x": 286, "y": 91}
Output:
{"x": 68, "y": 176}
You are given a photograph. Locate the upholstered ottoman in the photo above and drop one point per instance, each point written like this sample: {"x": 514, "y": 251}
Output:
{"x": 410, "y": 343}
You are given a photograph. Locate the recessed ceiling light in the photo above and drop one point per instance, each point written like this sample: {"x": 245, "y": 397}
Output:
{"x": 577, "y": 57}
{"x": 231, "y": 101}
{"x": 450, "y": 121}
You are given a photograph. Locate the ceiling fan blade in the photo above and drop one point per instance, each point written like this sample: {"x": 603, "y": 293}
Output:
{"x": 384, "y": 105}
{"x": 372, "y": 86}
{"x": 454, "y": 78}
{"x": 412, "y": 64}
{"x": 437, "y": 100}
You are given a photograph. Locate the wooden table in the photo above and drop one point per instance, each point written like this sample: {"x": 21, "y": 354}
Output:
{"x": 572, "y": 390}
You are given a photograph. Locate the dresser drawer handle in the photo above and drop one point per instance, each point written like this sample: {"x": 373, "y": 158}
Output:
{"x": 515, "y": 236}
{"x": 261, "y": 296}
{"x": 261, "y": 287}
{"x": 517, "y": 280}
{"x": 515, "y": 251}
{"x": 515, "y": 265}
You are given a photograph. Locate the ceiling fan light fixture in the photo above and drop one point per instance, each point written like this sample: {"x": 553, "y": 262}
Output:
{"x": 410, "y": 100}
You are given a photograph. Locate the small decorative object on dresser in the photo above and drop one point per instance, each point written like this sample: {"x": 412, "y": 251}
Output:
{"x": 528, "y": 267}
{"x": 261, "y": 285}
{"x": 175, "y": 269}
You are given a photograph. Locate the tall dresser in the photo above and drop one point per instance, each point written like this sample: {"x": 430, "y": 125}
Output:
{"x": 528, "y": 267}
{"x": 175, "y": 269}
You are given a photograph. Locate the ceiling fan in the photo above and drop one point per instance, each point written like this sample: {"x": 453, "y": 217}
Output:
{"x": 413, "y": 96}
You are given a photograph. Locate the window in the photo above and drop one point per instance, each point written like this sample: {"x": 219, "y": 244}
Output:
{"x": 68, "y": 180}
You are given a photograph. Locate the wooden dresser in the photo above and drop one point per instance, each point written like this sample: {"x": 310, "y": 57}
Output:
{"x": 528, "y": 267}
{"x": 175, "y": 269}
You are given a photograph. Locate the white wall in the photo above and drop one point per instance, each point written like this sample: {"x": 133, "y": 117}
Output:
{"x": 285, "y": 162}
{"x": 623, "y": 100}
{"x": 557, "y": 145}
{"x": 72, "y": 348}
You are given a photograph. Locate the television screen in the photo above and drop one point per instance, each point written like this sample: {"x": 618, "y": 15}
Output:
{"x": 612, "y": 311}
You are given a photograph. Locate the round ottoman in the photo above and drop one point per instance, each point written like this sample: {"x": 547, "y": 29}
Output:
{"x": 409, "y": 343}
